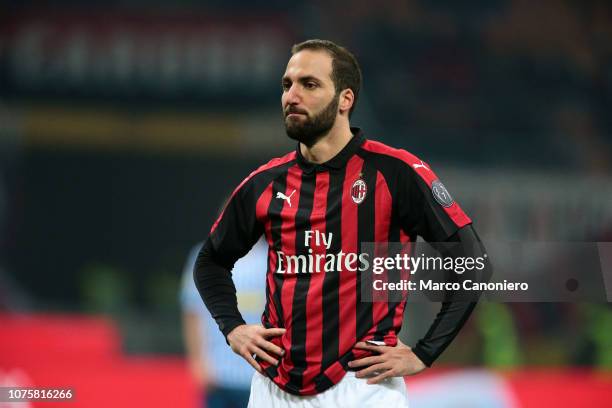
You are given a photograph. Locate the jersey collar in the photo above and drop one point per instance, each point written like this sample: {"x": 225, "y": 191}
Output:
{"x": 339, "y": 160}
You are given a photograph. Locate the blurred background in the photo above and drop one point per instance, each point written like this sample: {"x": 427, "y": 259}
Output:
{"x": 124, "y": 125}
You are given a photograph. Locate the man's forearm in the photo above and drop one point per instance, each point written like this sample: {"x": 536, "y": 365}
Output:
{"x": 453, "y": 313}
{"x": 214, "y": 282}
{"x": 447, "y": 324}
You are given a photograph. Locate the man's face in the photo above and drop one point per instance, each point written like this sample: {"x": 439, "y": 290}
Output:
{"x": 309, "y": 101}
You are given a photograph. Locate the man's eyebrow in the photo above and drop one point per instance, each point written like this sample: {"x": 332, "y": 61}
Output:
{"x": 309, "y": 78}
{"x": 305, "y": 78}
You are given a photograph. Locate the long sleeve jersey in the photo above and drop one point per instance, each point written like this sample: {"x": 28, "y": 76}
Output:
{"x": 315, "y": 218}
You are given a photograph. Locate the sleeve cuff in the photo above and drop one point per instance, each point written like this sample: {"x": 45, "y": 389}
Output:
{"x": 422, "y": 355}
{"x": 231, "y": 325}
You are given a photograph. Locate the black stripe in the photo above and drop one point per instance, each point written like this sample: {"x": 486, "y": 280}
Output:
{"x": 386, "y": 324}
{"x": 272, "y": 371}
{"x": 322, "y": 383}
{"x": 331, "y": 281}
{"x": 365, "y": 233}
{"x": 394, "y": 298}
{"x": 279, "y": 184}
{"x": 266, "y": 313}
{"x": 298, "y": 311}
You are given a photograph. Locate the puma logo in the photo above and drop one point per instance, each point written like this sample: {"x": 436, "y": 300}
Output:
{"x": 416, "y": 166}
{"x": 284, "y": 197}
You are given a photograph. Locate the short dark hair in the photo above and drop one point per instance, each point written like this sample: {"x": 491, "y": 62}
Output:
{"x": 345, "y": 68}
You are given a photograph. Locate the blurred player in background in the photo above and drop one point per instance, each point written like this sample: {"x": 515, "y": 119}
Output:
{"x": 321, "y": 344}
{"x": 223, "y": 376}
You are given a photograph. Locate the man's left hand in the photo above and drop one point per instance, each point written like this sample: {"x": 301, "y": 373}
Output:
{"x": 395, "y": 361}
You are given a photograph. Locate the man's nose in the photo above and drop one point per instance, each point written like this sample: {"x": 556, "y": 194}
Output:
{"x": 292, "y": 96}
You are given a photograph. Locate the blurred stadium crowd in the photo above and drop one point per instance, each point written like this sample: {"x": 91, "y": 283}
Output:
{"x": 123, "y": 125}
{"x": 521, "y": 83}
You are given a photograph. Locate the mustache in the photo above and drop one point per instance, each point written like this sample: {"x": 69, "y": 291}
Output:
{"x": 293, "y": 109}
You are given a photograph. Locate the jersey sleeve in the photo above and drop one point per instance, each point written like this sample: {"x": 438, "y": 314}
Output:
{"x": 455, "y": 311}
{"x": 231, "y": 237}
{"x": 237, "y": 228}
{"x": 426, "y": 208}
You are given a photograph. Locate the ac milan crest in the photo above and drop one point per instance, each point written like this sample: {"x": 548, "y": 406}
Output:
{"x": 359, "y": 191}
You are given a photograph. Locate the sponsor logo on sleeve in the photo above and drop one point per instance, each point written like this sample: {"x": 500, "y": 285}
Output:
{"x": 441, "y": 194}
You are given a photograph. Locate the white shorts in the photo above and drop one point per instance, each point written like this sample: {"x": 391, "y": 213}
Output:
{"x": 349, "y": 392}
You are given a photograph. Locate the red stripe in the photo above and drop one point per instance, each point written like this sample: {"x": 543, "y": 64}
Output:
{"x": 399, "y": 310}
{"x": 263, "y": 203}
{"x": 274, "y": 321}
{"x": 272, "y": 163}
{"x": 261, "y": 210}
{"x": 335, "y": 372}
{"x": 314, "y": 300}
{"x": 348, "y": 280}
{"x": 273, "y": 315}
{"x": 454, "y": 211}
{"x": 288, "y": 236}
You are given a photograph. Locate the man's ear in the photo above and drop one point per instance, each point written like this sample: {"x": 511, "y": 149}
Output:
{"x": 346, "y": 100}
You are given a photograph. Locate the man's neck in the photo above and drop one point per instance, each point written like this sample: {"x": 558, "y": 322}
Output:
{"x": 329, "y": 145}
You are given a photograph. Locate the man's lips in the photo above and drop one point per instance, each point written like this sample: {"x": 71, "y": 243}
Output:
{"x": 293, "y": 112}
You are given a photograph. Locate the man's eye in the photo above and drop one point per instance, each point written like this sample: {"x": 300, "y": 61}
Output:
{"x": 285, "y": 86}
{"x": 311, "y": 85}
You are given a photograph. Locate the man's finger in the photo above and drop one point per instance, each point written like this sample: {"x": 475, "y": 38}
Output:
{"x": 372, "y": 370}
{"x": 264, "y": 356}
{"x": 273, "y": 332}
{"x": 249, "y": 358}
{"x": 380, "y": 377}
{"x": 271, "y": 347}
{"x": 366, "y": 361}
{"x": 370, "y": 347}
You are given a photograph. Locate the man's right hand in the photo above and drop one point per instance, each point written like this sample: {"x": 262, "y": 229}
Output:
{"x": 251, "y": 339}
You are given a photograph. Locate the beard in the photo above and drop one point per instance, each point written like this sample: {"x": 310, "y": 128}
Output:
{"x": 312, "y": 129}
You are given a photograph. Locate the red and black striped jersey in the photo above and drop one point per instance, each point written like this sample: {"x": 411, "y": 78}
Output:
{"x": 315, "y": 218}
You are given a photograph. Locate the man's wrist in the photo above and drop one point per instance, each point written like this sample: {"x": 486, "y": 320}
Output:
{"x": 230, "y": 326}
{"x": 422, "y": 355}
